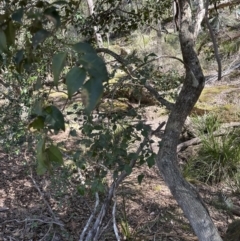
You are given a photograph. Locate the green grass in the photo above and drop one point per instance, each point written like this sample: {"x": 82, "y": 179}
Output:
{"x": 219, "y": 156}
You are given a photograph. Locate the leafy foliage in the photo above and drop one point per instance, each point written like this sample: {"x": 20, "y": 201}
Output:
{"x": 105, "y": 147}
{"x": 41, "y": 60}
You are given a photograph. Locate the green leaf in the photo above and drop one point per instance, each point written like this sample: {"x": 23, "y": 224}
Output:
{"x": 37, "y": 123}
{"x": 57, "y": 65}
{"x": 54, "y": 154}
{"x": 17, "y": 15}
{"x": 94, "y": 89}
{"x": 10, "y": 33}
{"x": 97, "y": 186}
{"x": 132, "y": 156}
{"x": 53, "y": 16}
{"x": 151, "y": 160}
{"x": 40, "y": 4}
{"x": 23, "y": 3}
{"x": 94, "y": 65}
{"x": 73, "y": 132}
{"x": 91, "y": 61}
{"x": 41, "y": 157}
{"x": 19, "y": 56}
{"x": 38, "y": 84}
{"x": 37, "y": 107}
{"x": 84, "y": 48}
{"x": 81, "y": 190}
{"x": 139, "y": 126}
{"x": 76, "y": 156}
{"x": 54, "y": 118}
{"x": 140, "y": 178}
{"x": 41, "y": 166}
{"x": 39, "y": 37}
{"x": 75, "y": 79}
{"x": 3, "y": 42}
{"x": 128, "y": 169}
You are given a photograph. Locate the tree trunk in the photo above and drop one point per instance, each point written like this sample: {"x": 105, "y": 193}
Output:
{"x": 186, "y": 196}
{"x": 98, "y": 36}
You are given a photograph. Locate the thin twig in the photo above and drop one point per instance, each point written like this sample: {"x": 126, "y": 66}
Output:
{"x": 106, "y": 226}
{"x": 4, "y": 209}
{"x": 90, "y": 218}
{"x": 229, "y": 70}
{"x": 157, "y": 58}
{"x": 11, "y": 238}
{"x": 115, "y": 228}
{"x": 33, "y": 219}
{"x": 53, "y": 238}
{"x": 45, "y": 235}
{"x": 43, "y": 198}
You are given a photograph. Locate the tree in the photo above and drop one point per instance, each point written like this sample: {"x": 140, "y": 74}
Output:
{"x": 87, "y": 71}
{"x": 186, "y": 196}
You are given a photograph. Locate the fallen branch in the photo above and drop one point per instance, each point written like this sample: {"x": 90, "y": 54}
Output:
{"x": 184, "y": 145}
{"x": 4, "y": 209}
{"x": 233, "y": 66}
{"x": 198, "y": 140}
{"x": 32, "y": 220}
{"x": 224, "y": 4}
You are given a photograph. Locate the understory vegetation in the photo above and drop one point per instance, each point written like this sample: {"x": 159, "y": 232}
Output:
{"x": 88, "y": 89}
{"x": 218, "y": 157}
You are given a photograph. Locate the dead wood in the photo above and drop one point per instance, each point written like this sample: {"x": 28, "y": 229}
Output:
{"x": 235, "y": 210}
{"x": 223, "y": 4}
{"x": 195, "y": 141}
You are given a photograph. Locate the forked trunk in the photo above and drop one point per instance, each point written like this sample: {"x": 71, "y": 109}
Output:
{"x": 186, "y": 196}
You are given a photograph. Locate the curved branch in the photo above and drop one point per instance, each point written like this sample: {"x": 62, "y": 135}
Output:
{"x": 159, "y": 98}
{"x": 124, "y": 63}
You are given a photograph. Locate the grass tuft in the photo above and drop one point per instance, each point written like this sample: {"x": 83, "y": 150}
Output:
{"x": 219, "y": 156}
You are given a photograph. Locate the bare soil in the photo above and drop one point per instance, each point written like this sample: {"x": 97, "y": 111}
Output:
{"x": 49, "y": 207}
{"x": 31, "y": 208}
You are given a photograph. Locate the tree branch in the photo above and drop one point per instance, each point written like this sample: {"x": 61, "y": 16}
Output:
{"x": 214, "y": 42}
{"x": 159, "y": 98}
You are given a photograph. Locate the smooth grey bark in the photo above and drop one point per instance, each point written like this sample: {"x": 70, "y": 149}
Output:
{"x": 187, "y": 197}
{"x": 98, "y": 36}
